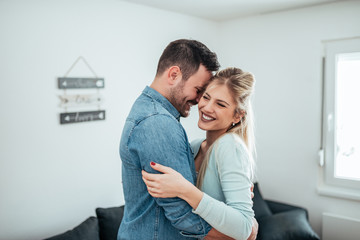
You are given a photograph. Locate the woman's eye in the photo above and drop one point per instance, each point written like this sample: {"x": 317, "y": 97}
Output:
{"x": 205, "y": 97}
{"x": 221, "y": 105}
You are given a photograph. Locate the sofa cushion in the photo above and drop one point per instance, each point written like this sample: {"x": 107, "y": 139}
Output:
{"x": 277, "y": 207}
{"x": 260, "y": 207}
{"x": 286, "y": 225}
{"x": 109, "y": 221}
{"x": 89, "y": 230}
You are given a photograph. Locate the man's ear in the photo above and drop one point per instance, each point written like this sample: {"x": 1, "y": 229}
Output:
{"x": 174, "y": 75}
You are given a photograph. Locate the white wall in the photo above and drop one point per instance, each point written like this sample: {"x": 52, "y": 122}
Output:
{"x": 53, "y": 176}
{"x": 284, "y": 51}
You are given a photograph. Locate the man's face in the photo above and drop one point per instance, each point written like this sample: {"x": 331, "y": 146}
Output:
{"x": 187, "y": 93}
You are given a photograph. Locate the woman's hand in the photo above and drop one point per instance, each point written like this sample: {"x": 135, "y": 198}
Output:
{"x": 167, "y": 185}
{"x": 171, "y": 184}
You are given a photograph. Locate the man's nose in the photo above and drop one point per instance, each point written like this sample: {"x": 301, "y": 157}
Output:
{"x": 198, "y": 96}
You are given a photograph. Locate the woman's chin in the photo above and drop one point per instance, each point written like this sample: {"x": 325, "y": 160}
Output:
{"x": 201, "y": 126}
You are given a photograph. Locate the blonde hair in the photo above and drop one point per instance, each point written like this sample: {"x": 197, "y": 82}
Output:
{"x": 241, "y": 85}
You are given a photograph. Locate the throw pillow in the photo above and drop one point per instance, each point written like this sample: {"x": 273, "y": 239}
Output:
{"x": 109, "y": 221}
{"x": 260, "y": 207}
{"x": 89, "y": 230}
{"x": 286, "y": 226}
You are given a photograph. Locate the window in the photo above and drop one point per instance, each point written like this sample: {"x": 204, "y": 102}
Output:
{"x": 347, "y": 158}
{"x": 341, "y": 115}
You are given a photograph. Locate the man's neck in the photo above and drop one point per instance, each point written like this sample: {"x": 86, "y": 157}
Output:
{"x": 159, "y": 87}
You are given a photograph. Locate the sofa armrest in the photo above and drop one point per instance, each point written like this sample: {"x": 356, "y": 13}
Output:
{"x": 278, "y": 207}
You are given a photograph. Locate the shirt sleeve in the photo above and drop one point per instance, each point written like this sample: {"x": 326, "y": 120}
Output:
{"x": 195, "y": 145}
{"x": 234, "y": 217}
{"x": 163, "y": 140}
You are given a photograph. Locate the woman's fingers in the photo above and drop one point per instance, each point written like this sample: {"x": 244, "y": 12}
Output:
{"x": 160, "y": 168}
{"x": 148, "y": 176}
{"x": 162, "y": 185}
{"x": 149, "y": 183}
{"x": 155, "y": 195}
{"x": 151, "y": 176}
{"x": 152, "y": 188}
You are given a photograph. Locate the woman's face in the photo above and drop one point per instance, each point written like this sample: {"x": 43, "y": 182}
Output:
{"x": 216, "y": 109}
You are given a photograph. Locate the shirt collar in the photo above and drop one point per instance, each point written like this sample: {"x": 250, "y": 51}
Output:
{"x": 162, "y": 100}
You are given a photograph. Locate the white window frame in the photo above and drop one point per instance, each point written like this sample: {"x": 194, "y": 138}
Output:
{"x": 329, "y": 184}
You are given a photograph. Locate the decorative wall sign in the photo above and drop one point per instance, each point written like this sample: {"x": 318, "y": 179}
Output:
{"x": 76, "y": 117}
{"x": 68, "y": 83}
{"x": 80, "y": 100}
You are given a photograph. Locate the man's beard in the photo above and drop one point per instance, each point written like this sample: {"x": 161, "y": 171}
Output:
{"x": 178, "y": 101}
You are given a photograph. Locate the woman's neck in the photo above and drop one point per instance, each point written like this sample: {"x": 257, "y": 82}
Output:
{"x": 212, "y": 136}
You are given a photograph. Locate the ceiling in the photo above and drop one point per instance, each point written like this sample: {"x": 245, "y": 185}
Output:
{"x": 220, "y": 10}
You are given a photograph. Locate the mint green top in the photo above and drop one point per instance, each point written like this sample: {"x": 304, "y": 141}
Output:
{"x": 226, "y": 204}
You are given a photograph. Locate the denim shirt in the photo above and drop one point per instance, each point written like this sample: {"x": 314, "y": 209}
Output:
{"x": 152, "y": 132}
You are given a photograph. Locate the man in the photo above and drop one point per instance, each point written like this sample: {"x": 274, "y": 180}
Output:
{"x": 152, "y": 132}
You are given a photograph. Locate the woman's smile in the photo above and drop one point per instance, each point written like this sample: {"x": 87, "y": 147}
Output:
{"x": 206, "y": 117}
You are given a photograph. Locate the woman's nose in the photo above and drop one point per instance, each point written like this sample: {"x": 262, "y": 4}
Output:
{"x": 208, "y": 106}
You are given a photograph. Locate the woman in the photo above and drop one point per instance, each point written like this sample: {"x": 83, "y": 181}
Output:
{"x": 223, "y": 160}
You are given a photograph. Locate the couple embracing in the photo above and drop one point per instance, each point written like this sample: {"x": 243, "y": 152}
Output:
{"x": 174, "y": 190}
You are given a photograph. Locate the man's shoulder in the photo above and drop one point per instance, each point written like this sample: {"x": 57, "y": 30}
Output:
{"x": 148, "y": 114}
{"x": 145, "y": 108}
{"x": 158, "y": 121}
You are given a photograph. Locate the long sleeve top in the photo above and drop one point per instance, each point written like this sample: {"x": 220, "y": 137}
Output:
{"x": 226, "y": 204}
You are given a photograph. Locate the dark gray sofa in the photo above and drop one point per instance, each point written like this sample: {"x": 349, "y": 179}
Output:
{"x": 277, "y": 221}
{"x": 280, "y": 220}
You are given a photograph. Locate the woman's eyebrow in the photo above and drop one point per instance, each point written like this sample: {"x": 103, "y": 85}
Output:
{"x": 219, "y": 100}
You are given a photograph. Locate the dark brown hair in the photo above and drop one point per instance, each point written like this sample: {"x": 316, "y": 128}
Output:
{"x": 187, "y": 55}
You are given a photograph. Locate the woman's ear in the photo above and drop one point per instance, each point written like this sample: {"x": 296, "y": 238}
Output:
{"x": 238, "y": 116}
{"x": 174, "y": 75}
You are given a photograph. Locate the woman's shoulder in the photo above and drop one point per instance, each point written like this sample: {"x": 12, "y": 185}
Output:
{"x": 231, "y": 140}
{"x": 231, "y": 152}
{"x": 231, "y": 144}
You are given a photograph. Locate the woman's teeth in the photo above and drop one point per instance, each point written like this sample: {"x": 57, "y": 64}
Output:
{"x": 207, "y": 117}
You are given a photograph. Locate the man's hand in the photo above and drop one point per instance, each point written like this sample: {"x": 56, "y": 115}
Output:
{"x": 214, "y": 234}
{"x": 252, "y": 190}
{"x": 254, "y": 230}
